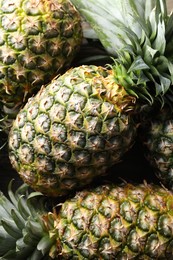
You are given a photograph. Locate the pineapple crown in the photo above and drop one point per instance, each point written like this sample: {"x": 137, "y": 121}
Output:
{"x": 139, "y": 34}
{"x": 23, "y": 224}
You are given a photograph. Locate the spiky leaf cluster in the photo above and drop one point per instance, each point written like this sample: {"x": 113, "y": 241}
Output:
{"x": 141, "y": 29}
{"x": 22, "y": 231}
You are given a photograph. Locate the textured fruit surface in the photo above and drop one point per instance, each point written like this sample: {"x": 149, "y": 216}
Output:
{"x": 110, "y": 221}
{"x": 157, "y": 137}
{"x": 117, "y": 222}
{"x": 72, "y": 130}
{"x": 38, "y": 39}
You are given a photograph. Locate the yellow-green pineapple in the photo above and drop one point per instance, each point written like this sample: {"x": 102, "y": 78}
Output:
{"x": 72, "y": 130}
{"x": 105, "y": 222}
{"x": 38, "y": 40}
{"x": 156, "y": 136}
{"x": 82, "y": 122}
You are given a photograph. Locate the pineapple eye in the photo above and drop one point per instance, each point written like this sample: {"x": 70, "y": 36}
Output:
{"x": 42, "y": 123}
{"x": 34, "y": 7}
{"x": 15, "y": 140}
{"x": 26, "y": 154}
{"x": 16, "y": 41}
{"x": 10, "y": 23}
{"x": 8, "y": 6}
{"x": 61, "y": 152}
{"x": 42, "y": 144}
{"x": 36, "y": 45}
{"x": 8, "y": 57}
{"x": 46, "y": 103}
{"x": 28, "y": 132}
{"x": 58, "y": 132}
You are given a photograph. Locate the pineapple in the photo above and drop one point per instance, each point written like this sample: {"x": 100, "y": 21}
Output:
{"x": 72, "y": 130}
{"x": 109, "y": 221}
{"x": 38, "y": 40}
{"x": 156, "y": 136}
{"x": 82, "y": 122}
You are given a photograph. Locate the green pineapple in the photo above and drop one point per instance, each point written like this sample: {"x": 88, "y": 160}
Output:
{"x": 72, "y": 130}
{"x": 82, "y": 122}
{"x": 38, "y": 40}
{"x": 105, "y": 222}
{"x": 156, "y": 136}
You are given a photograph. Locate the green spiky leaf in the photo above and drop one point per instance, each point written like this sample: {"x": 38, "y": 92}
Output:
{"x": 103, "y": 17}
{"x": 10, "y": 228}
{"x": 138, "y": 64}
{"x": 142, "y": 28}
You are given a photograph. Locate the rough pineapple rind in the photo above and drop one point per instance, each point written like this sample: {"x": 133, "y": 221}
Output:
{"x": 117, "y": 222}
{"x": 72, "y": 130}
{"x": 106, "y": 222}
{"x": 156, "y": 135}
{"x": 38, "y": 39}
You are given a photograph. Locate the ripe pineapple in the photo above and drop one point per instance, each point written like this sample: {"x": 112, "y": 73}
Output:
{"x": 105, "y": 222}
{"x": 82, "y": 122}
{"x": 156, "y": 136}
{"x": 38, "y": 39}
{"x": 72, "y": 130}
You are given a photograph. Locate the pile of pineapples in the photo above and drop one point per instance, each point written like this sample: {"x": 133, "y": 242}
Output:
{"x": 81, "y": 82}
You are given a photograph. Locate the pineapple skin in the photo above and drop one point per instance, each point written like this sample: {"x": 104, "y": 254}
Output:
{"x": 39, "y": 39}
{"x": 109, "y": 221}
{"x": 117, "y": 222}
{"x": 72, "y": 131}
{"x": 156, "y": 136}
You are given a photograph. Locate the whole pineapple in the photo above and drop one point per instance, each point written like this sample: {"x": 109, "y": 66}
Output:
{"x": 105, "y": 222}
{"x": 38, "y": 40}
{"x": 72, "y": 130}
